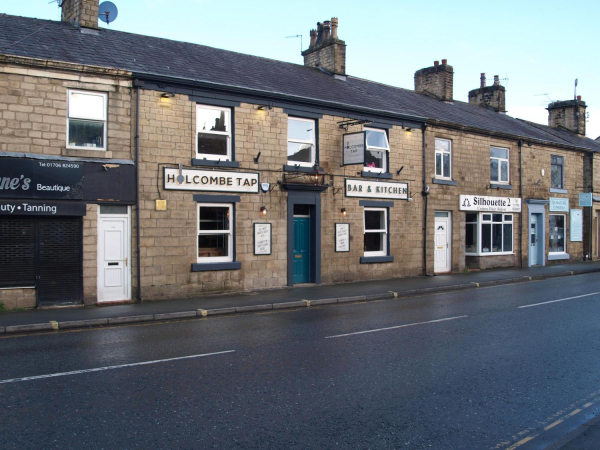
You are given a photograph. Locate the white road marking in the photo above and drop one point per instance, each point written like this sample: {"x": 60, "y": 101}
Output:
{"x": 100, "y": 369}
{"x": 559, "y": 300}
{"x": 396, "y": 327}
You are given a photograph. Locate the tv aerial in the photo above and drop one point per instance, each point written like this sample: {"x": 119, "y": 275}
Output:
{"x": 107, "y": 12}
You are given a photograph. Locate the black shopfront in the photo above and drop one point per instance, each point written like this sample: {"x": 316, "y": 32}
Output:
{"x": 42, "y": 208}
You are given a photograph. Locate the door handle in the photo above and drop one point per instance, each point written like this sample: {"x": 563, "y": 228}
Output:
{"x": 126, "y": 261}
{"x": 446, "y": 245}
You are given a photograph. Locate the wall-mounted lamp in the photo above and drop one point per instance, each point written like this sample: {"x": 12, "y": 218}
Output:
{"x": 344, "y": 212}
{"x": 167, "y": 95}
{"x": 263, "y": 107}
{"x": 263, "y": 210}
{"x": 407, "y": 128}
{"x": 256, "y": 158}
{"x": 399, "y": 170}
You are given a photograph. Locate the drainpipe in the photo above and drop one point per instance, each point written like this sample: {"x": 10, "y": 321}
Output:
{"x": 522, "y": 202}
{"x": 425, "y": 194}
{"x": 591, "y": 189}
{"x": 137, "y": 191}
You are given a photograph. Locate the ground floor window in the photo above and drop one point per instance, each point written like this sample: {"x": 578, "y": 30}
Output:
{"x": 488, "y": 233}
{"x": 557, "y": 233}
{"x": 215, "y": 232}
{"x": 376, "y": 232}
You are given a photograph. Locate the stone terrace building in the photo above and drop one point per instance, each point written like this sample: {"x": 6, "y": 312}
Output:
{"x": 278, "y": 174}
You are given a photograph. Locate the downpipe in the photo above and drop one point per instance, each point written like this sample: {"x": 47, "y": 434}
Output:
{"x": 425, "y": 194}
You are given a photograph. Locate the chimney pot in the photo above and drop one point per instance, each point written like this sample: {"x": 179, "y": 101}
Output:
{"x": 313, "y": 38}
{"x": 444, "y": 62}
{"x": 483, "y": 83}
{"x": 579, "y": 97}
{"x": 334, "y": 27}
{"x": 436, "y": 63}
{"x": 496, "y": 80}
{"x": 326, "y": 30}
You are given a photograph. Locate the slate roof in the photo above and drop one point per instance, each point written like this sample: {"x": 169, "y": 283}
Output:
{"x": 44, "y": 39}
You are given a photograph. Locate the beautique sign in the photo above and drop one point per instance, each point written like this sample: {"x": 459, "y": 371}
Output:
{"x": 354, "y": 145}
{"x": 39, "y": 208}
{"x": 389, "y": 190}
{"x": 558, "y": 204}
{"x": 210, "y": 180}
{"x": 489, "y": 204}
{"x": 28, "y": 178}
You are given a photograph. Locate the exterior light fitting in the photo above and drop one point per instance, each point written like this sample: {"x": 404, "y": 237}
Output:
{"x": 263, "y": 210}
{"x": 168, "y": 95}
{"x": 344, "y": 212}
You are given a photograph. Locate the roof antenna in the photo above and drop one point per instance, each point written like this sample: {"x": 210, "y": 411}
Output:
{"x": 575, "y": 93}
{"x": 295, "y": 36}
{"x": 107, "y": 12}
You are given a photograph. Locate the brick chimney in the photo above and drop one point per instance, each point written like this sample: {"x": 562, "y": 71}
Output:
{"x": 81, "y": 13}
{"x": 326, "y": 50}
{"x": 568, "y": 114}
{"x": 489, "y": 96}
{"x": 437, "y": 81}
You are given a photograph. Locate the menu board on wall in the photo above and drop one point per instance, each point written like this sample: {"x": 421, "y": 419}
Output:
{"x": 576, "y": 227}
{"x": 342, "y": 237}
{"x": 262, "y": 239}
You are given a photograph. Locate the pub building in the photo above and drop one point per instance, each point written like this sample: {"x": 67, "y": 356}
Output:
{"x": 220, "y": 179}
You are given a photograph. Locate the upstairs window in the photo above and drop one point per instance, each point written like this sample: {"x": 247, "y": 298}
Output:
{"x": 213, "y": 128}
{"x": 301, "y": 142}
{"x": 376, "y": 232}
{"x": 558, "y": 172}
{"x": 499, "y": 165}
{"x": 376, "y": 154}
{"x": 443, "y": 158}
{"x": 86, "y": 120}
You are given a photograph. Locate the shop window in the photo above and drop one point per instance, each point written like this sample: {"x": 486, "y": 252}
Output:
{"x": 301, "y": 142}
{"x": 499, "y": 165}
{"x": 86, "y": 120}
{"x": 376, "y": 155}
{"x": 443, "y": 158}
{"x": 488, "y": 233}
{"x": 213, "y": 128}
{"x": 557, "y": 233}
{"x": 558, "y": 172}
{"x": 215, "y": 232}
{"x": 376, "y": 232}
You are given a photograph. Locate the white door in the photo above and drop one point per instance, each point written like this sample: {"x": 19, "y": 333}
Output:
{"x": 442, "y": 242}
{"x": 114, "y": 274}
{"x": 533, "y": 241}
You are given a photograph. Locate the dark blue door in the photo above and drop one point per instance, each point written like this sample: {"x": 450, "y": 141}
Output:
{"x": 301, "y": 249}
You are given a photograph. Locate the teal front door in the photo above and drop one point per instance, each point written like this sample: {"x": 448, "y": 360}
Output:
{"x": 301, "y": 249}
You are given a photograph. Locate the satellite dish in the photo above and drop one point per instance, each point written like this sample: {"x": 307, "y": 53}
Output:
{"x": 107, "y": 12}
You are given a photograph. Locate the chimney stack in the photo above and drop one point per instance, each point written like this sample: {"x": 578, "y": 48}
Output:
{"x": 489, "y": 96}
{"x": 437, "y": 81}
{"x": 80, "y": 13}
{"x": 326, "y": 50}
{"x": 569, "y": 115}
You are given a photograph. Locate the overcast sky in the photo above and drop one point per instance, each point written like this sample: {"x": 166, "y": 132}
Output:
{"x": 538, "y": 48}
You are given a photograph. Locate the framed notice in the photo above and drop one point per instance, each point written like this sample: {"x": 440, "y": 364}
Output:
{"x": 342, "y": 237}
{"x": 262, "y": 239}
{"x": 576, "y": 228}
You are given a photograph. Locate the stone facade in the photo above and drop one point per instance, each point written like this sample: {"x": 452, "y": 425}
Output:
{"x": 82, "y": 13}
{"x": 569, "y": 115}
{"x": 437, "y": 81}
{"x": 489, "y": 96}
{"x": 18, "y": 298}
{"x": 326, "y": 51}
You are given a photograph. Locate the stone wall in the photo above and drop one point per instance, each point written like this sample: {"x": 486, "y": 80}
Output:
{"x": 18, "y": 298}
{"x": 437, "y": 80}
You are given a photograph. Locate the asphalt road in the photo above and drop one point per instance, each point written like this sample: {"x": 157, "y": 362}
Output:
{"x": 477, "y": 369}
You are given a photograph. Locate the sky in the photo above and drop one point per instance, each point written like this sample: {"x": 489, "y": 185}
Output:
{"x": 538, "y": 48}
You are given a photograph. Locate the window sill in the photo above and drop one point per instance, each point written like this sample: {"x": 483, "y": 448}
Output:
{"x": 298, "y": 168}
{"x": 211, "y": 163}
{"x": 443, "y": 181}
{"x": 490, "y": 254}
{"x": 205, "y": 267}
{"x": 79, "y": 153}
{"x": 558, "y": 256}
{"x": 383, "y": 175}
{"x": 376, "y": 259}
{"x": 501, "y": 186}
{"x": 559, "y": 191}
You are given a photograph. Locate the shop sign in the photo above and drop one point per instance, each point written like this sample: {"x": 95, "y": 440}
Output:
{"x": 576, "y": 228}
{"x": 389, "y": 190}
{"x": 28, "y": 178}
{"x": 354, "y": 145}
{"x": 558, "y": 204}
{"x": 38, "y": 208}
{"x": 585, "y": 199}
{"x": 210, "y": 180}
{"x": 489, "y": 204}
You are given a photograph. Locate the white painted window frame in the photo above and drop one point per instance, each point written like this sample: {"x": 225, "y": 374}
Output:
{"x": 216, "y": 259}
{"x": 443, "y": 152}
{"x": 500, "y": 166}
{"x": 313, "y": 142}
{"x": 480, "y": 223}
{"x": 384, "y": 230}
{"x": 209, "y": 156}
{"x": 384, "y": 169}
{"x": 104, "y": 95}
